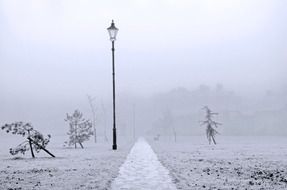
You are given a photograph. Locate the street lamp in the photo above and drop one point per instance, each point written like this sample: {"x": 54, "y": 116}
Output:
{"x": 113, "y": 33}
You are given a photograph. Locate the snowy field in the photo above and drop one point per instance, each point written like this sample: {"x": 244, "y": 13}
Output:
{"x": 94, "y": 167}
{"x": 235, "y": 163}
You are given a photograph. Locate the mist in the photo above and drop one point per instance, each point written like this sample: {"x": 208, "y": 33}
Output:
{"x": 170, "y": 55}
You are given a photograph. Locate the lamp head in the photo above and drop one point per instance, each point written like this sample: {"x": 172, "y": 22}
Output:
{"x": 113, "y": 30}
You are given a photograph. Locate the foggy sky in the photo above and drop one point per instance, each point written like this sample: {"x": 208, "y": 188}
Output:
{"x": 60, "y": 49}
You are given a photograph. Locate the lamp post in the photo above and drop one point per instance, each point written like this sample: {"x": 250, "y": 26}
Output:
{"x": 113, "y": 33}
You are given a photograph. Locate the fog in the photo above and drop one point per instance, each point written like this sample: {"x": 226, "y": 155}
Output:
{"x": 170, "y": 55}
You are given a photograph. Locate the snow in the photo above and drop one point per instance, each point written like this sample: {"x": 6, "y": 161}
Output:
{"x": 91, "y": 168}
{"x": 235, "y": 163}
{"x": 190, "y": 163}
{"x": 143, "y": 171}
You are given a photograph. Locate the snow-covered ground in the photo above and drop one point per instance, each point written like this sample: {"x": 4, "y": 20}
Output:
{"x": 235, "y": 163}
{"x": 94, "y": 167}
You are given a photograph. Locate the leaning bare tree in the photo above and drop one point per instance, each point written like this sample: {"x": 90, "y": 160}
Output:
{"x": 35, "y": 140}
{"x": 210, "y": 125}
{"x": 80, "y": 129}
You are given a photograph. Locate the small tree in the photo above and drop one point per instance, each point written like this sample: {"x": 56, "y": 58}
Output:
{"x": 80, "y": 129}
{"x": 35, "y": 140}
{"x": 210, "y": 125}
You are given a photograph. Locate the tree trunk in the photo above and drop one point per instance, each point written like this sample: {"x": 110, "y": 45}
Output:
{"x": 105, "y": 122}
{"x": 31, "y": 148}
{"x": 30, "y": 144}
{"x": 213, "y": 139}
{"x": 31, "y": 141}
{"x": 209, "y": 140}
{"x": 93, "y": 109}
{"x": 95, "y": 133}
{"x": 174, "y": 134}
{"x": 81, "y": 145}
{"x": 76, "y": 134}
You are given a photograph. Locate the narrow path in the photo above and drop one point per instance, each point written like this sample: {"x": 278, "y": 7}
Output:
{"x": 142, "y": 171}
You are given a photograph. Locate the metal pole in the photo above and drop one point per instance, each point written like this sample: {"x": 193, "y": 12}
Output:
{"x": 114, "y": 101}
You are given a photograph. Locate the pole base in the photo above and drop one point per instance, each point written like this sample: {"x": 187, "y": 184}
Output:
{"x": 114, "y": 147}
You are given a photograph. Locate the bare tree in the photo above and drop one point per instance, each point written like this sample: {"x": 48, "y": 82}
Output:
{"x": 80, "y": 129}
{"x": 210, "y": 125}
{"x": 35, "y": 140}
{"x": 105, "y": 121}
{"x": 168, "y": 122}
{"x": 93, "y": 110}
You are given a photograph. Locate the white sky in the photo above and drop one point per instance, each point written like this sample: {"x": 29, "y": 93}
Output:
{"x": 60, "y": 47}
{"x": 53, "y": 53}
